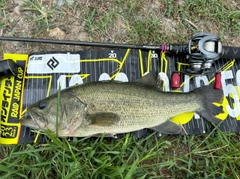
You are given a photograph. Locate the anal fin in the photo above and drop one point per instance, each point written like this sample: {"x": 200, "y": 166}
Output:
{"x": 168, "y": 127}
{"x": 105, "y": 135}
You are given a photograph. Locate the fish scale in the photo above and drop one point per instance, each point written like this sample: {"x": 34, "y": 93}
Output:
{"x": 138, "y": 110}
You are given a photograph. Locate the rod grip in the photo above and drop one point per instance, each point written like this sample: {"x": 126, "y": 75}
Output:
{"x": 231, "y": 52}
{"x": 8, "y": 68}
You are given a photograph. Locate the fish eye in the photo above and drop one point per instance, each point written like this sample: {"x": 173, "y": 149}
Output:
{"x": 42, "y": 105}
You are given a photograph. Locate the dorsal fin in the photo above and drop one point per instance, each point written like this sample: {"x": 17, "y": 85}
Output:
{"x": 149, "y": 79}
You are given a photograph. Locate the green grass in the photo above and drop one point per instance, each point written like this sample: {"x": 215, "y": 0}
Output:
{"x": 40, "y": 15}
{"x": 156, "y": 22}
{"x": 209, "y": 156}
{"x": 215, "y": 15}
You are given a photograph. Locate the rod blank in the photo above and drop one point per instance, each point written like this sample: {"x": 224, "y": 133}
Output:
{"x": 80, "y": 43}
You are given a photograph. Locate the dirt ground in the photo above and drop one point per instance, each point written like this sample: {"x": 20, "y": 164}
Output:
{"x": 71, "y": 20}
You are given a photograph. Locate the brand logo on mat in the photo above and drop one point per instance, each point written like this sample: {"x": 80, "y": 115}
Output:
{"x": 53, "y": 63}
{"x": 8, "y": 131}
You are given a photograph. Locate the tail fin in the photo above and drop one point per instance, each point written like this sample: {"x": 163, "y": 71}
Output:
{"x": 209, "y": 95}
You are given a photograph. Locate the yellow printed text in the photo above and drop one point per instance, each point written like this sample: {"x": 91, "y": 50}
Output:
{"x": 15, "y": 109}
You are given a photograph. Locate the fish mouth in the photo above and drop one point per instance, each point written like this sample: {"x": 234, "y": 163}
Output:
{"x": 29, "y": 121}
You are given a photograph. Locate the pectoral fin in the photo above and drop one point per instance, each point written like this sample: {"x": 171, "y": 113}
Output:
{"x": 103, "y": 119}
{"x": 168, "y": 127}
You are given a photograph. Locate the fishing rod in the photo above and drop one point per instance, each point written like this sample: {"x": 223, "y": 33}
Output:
{"x": 80, "y": 43}
{"x": 202, "y": 50}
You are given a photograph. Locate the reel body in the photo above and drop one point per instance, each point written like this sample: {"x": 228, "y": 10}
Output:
{"x": 203, "y": 50}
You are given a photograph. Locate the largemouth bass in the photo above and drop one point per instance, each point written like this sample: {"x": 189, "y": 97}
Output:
{"x": 112, "y": 107}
